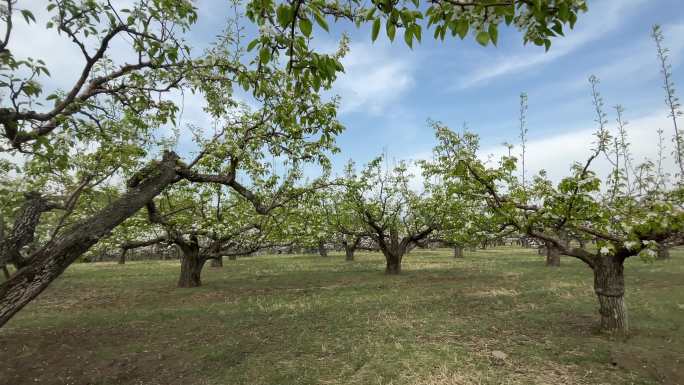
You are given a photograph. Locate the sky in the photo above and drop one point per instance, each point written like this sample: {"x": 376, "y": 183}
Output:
{"x": 389, "y": 91}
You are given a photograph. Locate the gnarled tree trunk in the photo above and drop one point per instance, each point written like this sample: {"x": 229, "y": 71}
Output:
{"x": 458, "y": 251}
{"x": 191, "y": 263}
{"x": 609, "y": 286}
{"x": 552, "y": 256}
{"x": 393, "y": 265}
{"x": 49, "y": 262}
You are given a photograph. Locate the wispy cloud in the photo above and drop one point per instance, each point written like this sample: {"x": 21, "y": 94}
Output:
{"x": 602, "y": 18}
{"x": 556, "y": 153}
{"x": 373, "y": 79}
{"x": 637, "y": 59}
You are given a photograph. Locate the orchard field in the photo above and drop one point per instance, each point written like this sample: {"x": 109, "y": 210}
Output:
{"x": 295, "y": 192}
{"x": 497, "y": 316}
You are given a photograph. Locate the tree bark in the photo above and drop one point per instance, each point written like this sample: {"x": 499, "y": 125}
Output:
{"x": 49, "y": 262}
{"x": 122, "y": 256}
{"x": 191, "y": 269}
{"x": 663, "y": 253}
{"x": 321, "y": 249}
{"x": 349, "y": 252}
{"x": 458, "y": 251}
{"x": 393, "y": 266}
{"x": 609, "y": 286}
{"x": 552, "y": 256}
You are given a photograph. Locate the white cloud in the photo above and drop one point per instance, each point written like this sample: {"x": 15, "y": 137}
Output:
{"x": 556, "y": 154}
{"x": 602, "y": 18}
{"x": 641, "y": 59}
{"x": 373, "y": 79}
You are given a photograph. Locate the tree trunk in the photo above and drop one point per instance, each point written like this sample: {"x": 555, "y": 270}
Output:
{"x": 552, "y": 256}
{"x": 458, "y": 251}
{"x": 663, "y": 253}
{"x": 191, "y": 270}
{"x": 122, "y": 256}
{"x": 321, "y": 249}
{"x": 609, "y": 286}
{"x": 349, "y": 252}
{"x": 393, "y": 266}
{"x": 48, "y": 263}
{"x": 217, "y": 262}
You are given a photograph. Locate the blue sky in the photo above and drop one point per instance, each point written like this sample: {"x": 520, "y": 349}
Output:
{"x": 390, "y": 91}
{"x": 459, "y": 81}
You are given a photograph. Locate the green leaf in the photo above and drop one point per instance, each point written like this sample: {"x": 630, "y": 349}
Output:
{"x": 376, "y": 29}
{"x": 493, "y": 33}
{"x": 305, "y": 26}
{"x": 417, "y": 32}
{"x": 563, "y": 12}
{"x": 408, "y": 37}
{"x": 391, "y": 30}
{"x": 284, "y": 14}
{"x": 252, "y": 44}
{"x": 558, "y": 28}
{"x": 462, "y": 26}
{"x": 482, "y": 37}
{"x": 28, "y": 16}
{"x": 320, "y": 20}
{"x": 264, "y": 55}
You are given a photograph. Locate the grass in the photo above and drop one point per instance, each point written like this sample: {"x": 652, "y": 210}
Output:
{"x": 309, "y": 320}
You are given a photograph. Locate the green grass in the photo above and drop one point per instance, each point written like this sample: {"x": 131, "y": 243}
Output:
{"x": 309, "y": 320}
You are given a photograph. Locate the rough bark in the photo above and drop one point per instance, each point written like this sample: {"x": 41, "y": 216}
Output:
{"x": 609, "y": 286}
{"x": 49, "y": 262}
{"x": 191, "y": 263}
{"x": 321, "y": 249}
{"x": 393, "y": 265}
{"x": 23, "y": 232}
{"x": 552, "y": 256}
{"x": 349, "y": 252}
{"x": 122, "y": 256}
{"x": 458, "y": 251}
